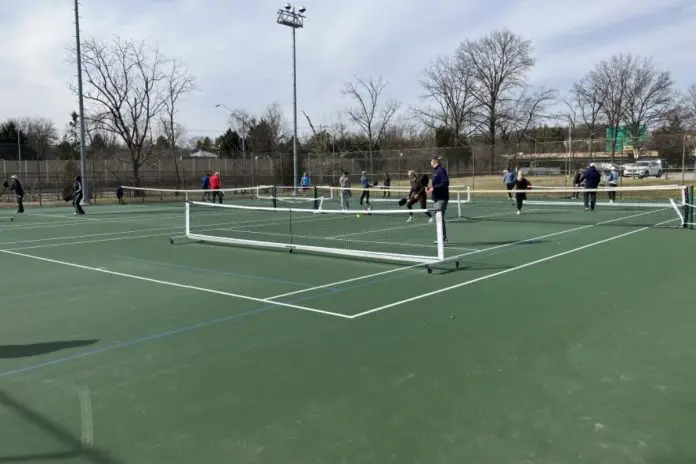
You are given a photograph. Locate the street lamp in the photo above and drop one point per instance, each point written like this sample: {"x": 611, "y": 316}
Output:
{"x": 293, "y": 19}
{"x": 220, "y": 105}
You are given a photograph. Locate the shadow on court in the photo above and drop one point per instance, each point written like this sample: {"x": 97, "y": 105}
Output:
{"x": 38, "y": 349}
{"x": 499, "y": 243}
{"x": 76, "y": 449}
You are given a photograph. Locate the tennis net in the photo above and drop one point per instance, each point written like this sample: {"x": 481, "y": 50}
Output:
{"x": 377, "y": 235}
{"x": 638, "y": 206}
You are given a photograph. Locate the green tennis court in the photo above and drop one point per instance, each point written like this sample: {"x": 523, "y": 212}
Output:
{"x": 563, "y": 336}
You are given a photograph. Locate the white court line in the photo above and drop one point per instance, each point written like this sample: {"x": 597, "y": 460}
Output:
{"x": 86, "y": 418}
{"x": 503, "y": 272}
{"x": 255, "y": 222}
{"x": 174, "y": 284}
{"x": 452, "y": 258}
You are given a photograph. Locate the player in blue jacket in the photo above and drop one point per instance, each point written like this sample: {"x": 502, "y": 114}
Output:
{"x": 592, "y": 178}
{"x": 509, "y": 180}
{"x": 439, "y": 189}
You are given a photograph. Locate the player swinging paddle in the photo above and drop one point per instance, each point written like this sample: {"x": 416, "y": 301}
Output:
{"x": 417, "y": 194}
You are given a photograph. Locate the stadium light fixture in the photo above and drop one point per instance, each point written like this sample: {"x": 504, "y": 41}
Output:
{"x": 294, "y": 19}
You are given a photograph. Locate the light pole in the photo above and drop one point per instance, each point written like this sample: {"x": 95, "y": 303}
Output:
{"x": 83, "y": 149}
{"x": 220, "y": 105}
{"x": 287, "y": 16}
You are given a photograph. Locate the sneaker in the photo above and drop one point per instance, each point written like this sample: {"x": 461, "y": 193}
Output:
{"x": 430, "y": 220}
{"x": 587, "y": 209}
{"x": 519, "y": 212}
{"x": 410, "y": 218}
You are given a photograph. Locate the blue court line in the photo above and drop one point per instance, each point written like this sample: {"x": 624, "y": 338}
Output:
{"x": 215, "y": 271}
{"x": 202, "y": 325}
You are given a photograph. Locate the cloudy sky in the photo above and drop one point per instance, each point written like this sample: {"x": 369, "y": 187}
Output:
{"x": 242, "y": 58}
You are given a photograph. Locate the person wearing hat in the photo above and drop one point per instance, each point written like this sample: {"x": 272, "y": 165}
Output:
{"x": 592, "y": 178}
{"x": 18, "y": 189}
{"x": 365, "y": 184}
{"x": 613, "y": 181}
{"x": 439, "y": 189}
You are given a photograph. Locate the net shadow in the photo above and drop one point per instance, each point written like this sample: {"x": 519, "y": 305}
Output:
{"x": 62, "y": 435}
{"x": 37, "y": 349}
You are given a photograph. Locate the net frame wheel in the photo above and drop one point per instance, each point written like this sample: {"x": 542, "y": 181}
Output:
{"x": 171, "y": 241}
{"x": 429, "y": 269}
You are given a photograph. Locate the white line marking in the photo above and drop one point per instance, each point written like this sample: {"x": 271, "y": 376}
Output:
{"x": 452, "y": 258}
{"x": 87, "y": 418}
{"x": 503, "y": 272}
{"x": 254, "y": 223}
{"x": 174, "y": 284}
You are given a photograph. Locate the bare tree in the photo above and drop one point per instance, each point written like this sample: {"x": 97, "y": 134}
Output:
{"x": 40, "y": 132}
{"x": 587, "y": 98}
{"x": 449, "y": 88}
{"x": 499, "y": 64}
{"x": 177, "y": 83}
{"x": 529, "y": 110}
{"x": 126, "y": 90}
{"x": 612, "y": 77}
{"x": 688, "y": 105}
{"x": 650, "y": 98}
{"x": 368, "y": 114}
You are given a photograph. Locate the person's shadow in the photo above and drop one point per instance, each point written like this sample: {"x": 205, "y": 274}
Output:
{"x": 37, "y": 349}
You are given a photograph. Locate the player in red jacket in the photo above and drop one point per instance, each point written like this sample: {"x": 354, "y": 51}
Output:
{"x": 215, "y": 186}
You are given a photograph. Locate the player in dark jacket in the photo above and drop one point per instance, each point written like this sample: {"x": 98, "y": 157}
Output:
{"x": 77, "y": 196}
{"x": 592, "y": 178}
{"x": 439, "y": 189}
{"x": 17, "y": 187}
{"x": 417, "y": 194}
{"x": 521, "y": 186}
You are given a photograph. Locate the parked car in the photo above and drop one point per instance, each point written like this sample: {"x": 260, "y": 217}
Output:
{"x": 643, "y": 169}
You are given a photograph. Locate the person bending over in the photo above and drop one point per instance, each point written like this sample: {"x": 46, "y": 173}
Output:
{"x": 418, "y": 194}
{"x": 17, "y": 187}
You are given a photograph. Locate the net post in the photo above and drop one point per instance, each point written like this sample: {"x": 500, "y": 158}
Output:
{"x": 187, "y": 226}
{"x": 691, "y": 206}
{"x": 316, "y": 197}
{"x": 440, "y": 236}
{"x": 274, "y": 200}
{"x": 459, "y": 205}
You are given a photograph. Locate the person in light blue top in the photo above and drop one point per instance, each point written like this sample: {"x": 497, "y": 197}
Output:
{"x": 613, "y": 181}
{"x": 305, "y": 182}
{"x": 509, "y": 179}
{"x": 365, "y": 184}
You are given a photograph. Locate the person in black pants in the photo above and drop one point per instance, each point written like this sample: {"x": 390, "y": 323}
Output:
{"x": 77, "y": 196}
{"x": 521, "y": 186}
{"x": 592, "y": 178}
{"x": 18, "y": 189}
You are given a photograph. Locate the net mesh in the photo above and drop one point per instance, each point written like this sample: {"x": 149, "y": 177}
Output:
{"x": 653, "y": 206}
{"x": 384, "y": 235}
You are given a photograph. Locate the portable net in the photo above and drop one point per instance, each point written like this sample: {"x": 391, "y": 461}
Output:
{"x": 381, "y": 235}
{"x": 639, "y": 206}
{"x": 382, "y": 198}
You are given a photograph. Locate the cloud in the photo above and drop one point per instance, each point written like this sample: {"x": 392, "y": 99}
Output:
{"x": 242, "y": 58}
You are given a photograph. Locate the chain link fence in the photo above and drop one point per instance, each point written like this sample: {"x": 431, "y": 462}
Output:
{"x": 45, "y": 172}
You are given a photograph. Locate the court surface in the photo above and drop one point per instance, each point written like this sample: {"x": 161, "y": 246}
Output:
{"x": 554, "y": 342}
